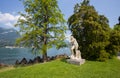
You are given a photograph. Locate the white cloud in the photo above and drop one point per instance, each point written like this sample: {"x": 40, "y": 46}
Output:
{"x": 8, "y": 20}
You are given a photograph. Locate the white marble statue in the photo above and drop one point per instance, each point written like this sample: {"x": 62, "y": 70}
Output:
{"x": 75, "y": 53}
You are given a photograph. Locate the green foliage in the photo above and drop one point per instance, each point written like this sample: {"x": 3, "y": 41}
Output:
{"x": 103, "y": 55}
{"x": 114, "y": 47}
{"x": 42, "y": 26}
{"x": 59, "y": 69}
{"x": 117, "y": 27}
{"x": 91, "y": 31}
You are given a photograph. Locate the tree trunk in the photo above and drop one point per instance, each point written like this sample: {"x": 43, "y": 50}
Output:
{"x": 45, "y": 38}
{"x": 45, "y": 49}
{"x": 45, "y": 57}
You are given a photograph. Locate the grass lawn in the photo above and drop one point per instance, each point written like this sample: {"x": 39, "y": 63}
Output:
{"x": 60, "y": 69}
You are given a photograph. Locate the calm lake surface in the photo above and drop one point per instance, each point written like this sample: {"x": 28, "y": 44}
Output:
{"x": 9, "y": 56}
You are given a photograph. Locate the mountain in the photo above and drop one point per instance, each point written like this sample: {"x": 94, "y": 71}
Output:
{"x": 8, "y": 37}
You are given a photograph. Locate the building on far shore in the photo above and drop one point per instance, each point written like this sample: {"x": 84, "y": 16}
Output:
{"x": 12, "y": 47}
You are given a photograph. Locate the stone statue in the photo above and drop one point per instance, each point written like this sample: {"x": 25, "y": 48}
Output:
{"x": 75, "y": 57}
{"x": 75, "y": 53}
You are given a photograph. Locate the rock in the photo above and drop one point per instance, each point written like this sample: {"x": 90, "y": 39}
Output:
{"x": 57, "y": 57}
{"x": 61, "y": 56}
{"x": 30, "y": 61}
{"x": 37, "y": 60}
{"x": 17, "y": 62}
{"x": 23, "y": 61}
{"x": 48, "y": 59}
{"x": 66, "y": 56}
{"x": 52, "y": 58}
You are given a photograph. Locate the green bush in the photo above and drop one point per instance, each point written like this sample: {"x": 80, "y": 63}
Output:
{"x": 103, "y": 56}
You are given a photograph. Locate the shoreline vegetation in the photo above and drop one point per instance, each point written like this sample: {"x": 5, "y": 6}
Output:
{"x": 59, "y": 68}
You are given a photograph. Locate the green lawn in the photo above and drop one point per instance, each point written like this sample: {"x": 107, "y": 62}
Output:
{"x": 60, "y": 69}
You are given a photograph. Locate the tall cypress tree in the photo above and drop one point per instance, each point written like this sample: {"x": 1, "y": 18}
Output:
{"x": 114, "y": 47}
{"x": 41, "y": 26}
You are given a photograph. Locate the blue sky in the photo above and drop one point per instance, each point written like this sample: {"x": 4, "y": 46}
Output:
{"x": 9, "y": 10}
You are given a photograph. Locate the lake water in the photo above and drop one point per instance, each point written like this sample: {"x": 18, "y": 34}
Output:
{"x": 9, "y": 56}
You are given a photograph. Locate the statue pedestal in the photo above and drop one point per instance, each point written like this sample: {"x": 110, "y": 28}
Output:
{"x": 76, "y": 61}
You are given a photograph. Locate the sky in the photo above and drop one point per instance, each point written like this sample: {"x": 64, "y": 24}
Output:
{"x": 9, "y": 10}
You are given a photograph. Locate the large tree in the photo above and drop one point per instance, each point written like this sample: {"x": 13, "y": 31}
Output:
{"x": 41, "y": 26}
{"x": 91, "y": 31}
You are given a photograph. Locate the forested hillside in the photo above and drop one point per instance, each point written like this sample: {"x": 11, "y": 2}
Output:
{"x": 8, "y": 37}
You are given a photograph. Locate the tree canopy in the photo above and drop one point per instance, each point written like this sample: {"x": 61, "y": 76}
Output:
{"x": 91, "y": 31}
{"x": 41, "y": 26}
{"x": 114, "y": 47}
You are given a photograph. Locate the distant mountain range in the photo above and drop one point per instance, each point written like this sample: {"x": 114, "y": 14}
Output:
{"x": 8, "y": 37}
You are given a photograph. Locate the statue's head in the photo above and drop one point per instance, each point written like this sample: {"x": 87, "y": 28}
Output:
{"x": 72, "y": 36}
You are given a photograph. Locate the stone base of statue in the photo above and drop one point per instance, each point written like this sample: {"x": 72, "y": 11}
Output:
{"x": 76, "y": 61}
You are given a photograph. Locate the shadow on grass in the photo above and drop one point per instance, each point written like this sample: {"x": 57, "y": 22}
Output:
{"x": 63, "y": 60}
